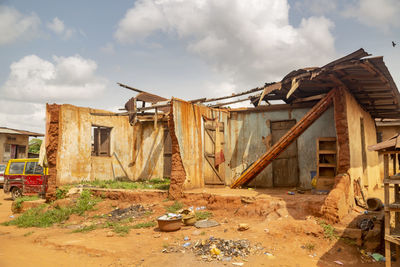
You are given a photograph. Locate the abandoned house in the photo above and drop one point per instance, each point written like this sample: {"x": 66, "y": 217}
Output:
{"x": 14, "y": 143}
{"x": 322, "y": 127}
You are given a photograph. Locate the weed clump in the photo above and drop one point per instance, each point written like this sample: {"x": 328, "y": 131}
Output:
{"x": 174, "y": 207}
{"x": 329, "y": 230}
{"x": 43, "y": 217}
{"x": 18, "y": 201}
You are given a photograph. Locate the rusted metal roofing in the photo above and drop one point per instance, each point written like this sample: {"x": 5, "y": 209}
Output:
{"x": 368, "y": 79}
{"x": 21, "y": 132}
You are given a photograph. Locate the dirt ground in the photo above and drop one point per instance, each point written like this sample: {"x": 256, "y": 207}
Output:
{"x": 285, "y": 238}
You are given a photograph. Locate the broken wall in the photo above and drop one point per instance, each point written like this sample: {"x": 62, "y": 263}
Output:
{"x": 244, "y": 133}
{"x": 364, "y": 164}
{"x": 245, "y": 142}
{"x": 139, "y": 148}
{"x": 189, "y": 131}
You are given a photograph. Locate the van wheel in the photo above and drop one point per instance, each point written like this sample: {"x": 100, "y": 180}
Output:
{"x": 16, "y": 193}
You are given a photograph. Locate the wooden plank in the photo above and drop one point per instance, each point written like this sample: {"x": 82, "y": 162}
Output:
{"x": 228, "y": 103}
{"x": 310, "y": 98}
{"x": 215, "y": 170}
{"x": 233, "y": 95}
{"x": 285, "y": 141}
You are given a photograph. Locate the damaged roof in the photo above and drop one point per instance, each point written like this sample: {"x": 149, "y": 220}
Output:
{"x": 6, "y": 130}
{"x": 367, "y": 78}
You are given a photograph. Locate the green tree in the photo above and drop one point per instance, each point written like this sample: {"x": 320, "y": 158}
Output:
{"x": 34, "y": 145}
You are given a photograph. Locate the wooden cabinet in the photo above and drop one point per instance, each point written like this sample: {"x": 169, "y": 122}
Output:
{"x": 326, "y": 163}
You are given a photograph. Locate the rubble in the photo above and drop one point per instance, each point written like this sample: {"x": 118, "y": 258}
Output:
{"x": 134, "y": 211}
{"x": 223, "y": 249}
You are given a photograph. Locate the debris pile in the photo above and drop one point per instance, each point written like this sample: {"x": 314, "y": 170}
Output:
{"x": 222, "y": 249}
{"x": 134, "y": 211}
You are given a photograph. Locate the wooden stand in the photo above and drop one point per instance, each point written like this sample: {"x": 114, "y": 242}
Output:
{"x": 326, "y": 163}
{"x": 391, "y": 235}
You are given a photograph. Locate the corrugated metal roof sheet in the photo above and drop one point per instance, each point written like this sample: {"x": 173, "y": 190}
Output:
{"x": 368, "y": 79}
{"x": 15, "y": 131}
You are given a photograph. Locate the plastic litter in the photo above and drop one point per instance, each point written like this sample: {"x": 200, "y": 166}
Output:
{"x": 187, "y": 244}
{"x": 378, "y": 257}
{"x": 290, "y": 193}
{"x": 11, "y": 216}
{"x": 238, "y": 263}
{"x": 338, "y": 262}
{"x": 186, "y": 238}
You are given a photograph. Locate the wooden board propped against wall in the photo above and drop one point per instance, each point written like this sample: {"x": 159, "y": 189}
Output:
{"x": 214, "y": 164}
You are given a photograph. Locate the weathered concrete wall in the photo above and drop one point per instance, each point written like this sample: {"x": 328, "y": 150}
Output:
{"x": 189, "y": 130}
{"x": 139, "y": 148}
{"x": 369, "y": 177}
{"x": 16, "y": 139}
{"x": 245, "y": 142}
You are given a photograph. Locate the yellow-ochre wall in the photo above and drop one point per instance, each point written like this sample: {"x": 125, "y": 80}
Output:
{"x": 139, "y": 148}
{"x": 370, "y": 177}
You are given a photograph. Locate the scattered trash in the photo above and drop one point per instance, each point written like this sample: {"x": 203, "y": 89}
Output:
{"x": 11, "y": 216}
{"x": 366, "y": 224}
{"x": 186, "y": 238}
{"x": 133, "y": 211}
{"x": 238, "y": 263}
{"x": 214, "y": 250}
{"x": 227, "y": 259}
{"x": 269, "y": 255}
{"x": 187, "y": 244}
{"x": 338, "y": 262}
{"x": 290, "y": 193}
{"x": 300, "y": 191}
{"x": 243, "y": 227}
{"x": 201, "y": 208}
{"x": 219, "y": 248}
{"x": 266, "y": 230}
{"x": 206, "y": 223}
{"x": 378, "y": 257}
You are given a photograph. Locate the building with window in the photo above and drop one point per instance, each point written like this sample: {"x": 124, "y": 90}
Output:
{"x": 14, "y": 143}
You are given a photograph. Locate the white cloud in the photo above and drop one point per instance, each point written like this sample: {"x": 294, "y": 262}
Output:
{"x": 383, "y": 14}
{"x": 14, "y": 25}
{"x": 23, "y": 115}
{"x": 250, "y": 41}
{"x": 58, "y": 27}
{"x": 33, "y": 79}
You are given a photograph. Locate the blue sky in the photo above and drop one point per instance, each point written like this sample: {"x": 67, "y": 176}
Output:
{"x": 75, "y": 51}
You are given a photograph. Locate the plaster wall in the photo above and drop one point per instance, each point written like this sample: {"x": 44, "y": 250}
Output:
{"x": 139, "y": 148}
{"x": 20, "y": 140}
{"x": 370, "y": 175}
{"x": 245, "y": 142}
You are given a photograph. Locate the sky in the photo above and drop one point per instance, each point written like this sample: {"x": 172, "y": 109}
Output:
{"x": 74, "y": 52}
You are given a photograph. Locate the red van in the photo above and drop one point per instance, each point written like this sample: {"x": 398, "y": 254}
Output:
{"x": 25, "y": 177}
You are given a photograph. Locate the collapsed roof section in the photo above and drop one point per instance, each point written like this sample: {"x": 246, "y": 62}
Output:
{"x": 367, "y": 78}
